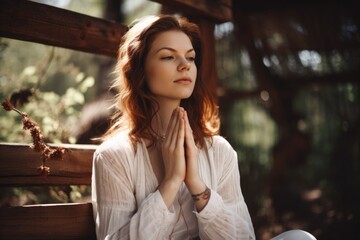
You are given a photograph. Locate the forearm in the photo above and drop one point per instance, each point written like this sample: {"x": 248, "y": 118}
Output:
{"x": 220, "y": 221}
{"x": 199, "y": 191}
{"x": 151, "y": 220}
{"x": 168, "y": 190}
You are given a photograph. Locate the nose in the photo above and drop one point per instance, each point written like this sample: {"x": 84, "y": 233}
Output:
{"x": 184, "y": 65}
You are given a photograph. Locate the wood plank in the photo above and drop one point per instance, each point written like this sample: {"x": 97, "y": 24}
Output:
{"x": 208, "y": 61}
{"x": 53, "y": 221}
{"x": 217, "y": 10}
{"x": 35, "y": 22}
{"x": 19, "y": 163}
{"x": 348, "y": 76}
{"x": 291, "y": 30}
{"x": 255, "y": 6}
{"x": 226, "y": 3}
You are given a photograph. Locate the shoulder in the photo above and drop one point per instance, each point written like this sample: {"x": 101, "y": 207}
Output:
{"x": 224, "y": 157}
{"x": 219, "y": 143}
{"x": 222, "y": 152}
{"x": 116, "y": 147}
{"x": 113, "y": 161}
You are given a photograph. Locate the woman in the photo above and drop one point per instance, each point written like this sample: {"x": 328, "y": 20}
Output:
{"x": 162, "y": 172}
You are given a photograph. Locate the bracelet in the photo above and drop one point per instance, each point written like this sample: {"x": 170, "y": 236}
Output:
{"x": 204, "y": 195}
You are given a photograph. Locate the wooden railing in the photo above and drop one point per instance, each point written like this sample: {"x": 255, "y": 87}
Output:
{"x": 34, "y": 22}
{"x": 18, "y": 167}
{"x": 48, "y": 221}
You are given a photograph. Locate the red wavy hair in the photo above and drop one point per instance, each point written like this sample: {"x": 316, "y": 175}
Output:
{"x": 136, "y": 105}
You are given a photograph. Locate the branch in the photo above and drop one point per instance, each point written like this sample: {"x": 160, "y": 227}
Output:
{"x": 38, "y": 140}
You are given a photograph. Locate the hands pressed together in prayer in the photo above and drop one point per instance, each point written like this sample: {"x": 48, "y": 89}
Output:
{"x": 180, "y": 158}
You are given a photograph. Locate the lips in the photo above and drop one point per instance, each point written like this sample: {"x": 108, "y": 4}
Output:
{"x": 183, "y": 80}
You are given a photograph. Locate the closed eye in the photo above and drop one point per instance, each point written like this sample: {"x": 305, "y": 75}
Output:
{"x": 167, "y": 58}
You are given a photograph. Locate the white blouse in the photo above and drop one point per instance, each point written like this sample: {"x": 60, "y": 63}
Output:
{"x": 127, "y": 204}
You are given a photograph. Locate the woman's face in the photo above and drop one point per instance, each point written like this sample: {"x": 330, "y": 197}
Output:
{"x": 170, "y": 66}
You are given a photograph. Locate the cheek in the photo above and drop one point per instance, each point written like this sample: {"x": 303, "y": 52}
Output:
{"x": 158, "y": 71}
{"x": 150, "y": 74}
{"x": 194, "y": 72}
{"x": 154, "y": 77}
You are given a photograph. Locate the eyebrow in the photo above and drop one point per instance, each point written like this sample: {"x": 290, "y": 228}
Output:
{"x": 173, "y": 50}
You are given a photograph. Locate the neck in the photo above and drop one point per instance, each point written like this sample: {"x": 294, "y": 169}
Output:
{"x": 162, "y": 118}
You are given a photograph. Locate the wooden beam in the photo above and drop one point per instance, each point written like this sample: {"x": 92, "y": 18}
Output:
{"x": 236, "y": 95}
{"x": 49, "y": 221}
{"x": 350, "y": 76}
{"x": 255, "y": 6}
{"x": 19, "y": 163}
{"x": 315, "y": 27}
{"x": 208, "y": 62}
{"x": 217, "y": 10}
{"x": 40, "y": 23}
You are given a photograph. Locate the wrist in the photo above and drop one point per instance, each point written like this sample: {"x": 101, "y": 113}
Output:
{"x": 195, "y": 186}
{"x": 205, "y": 195}
{"x": 201, "y": 198}
{"x": 172, "y": 182}
{"x": 168, "y": 190}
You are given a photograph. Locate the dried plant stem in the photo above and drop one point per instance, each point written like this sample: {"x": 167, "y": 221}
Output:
{"x": 38, "y": 141}
{"x": 18, "y": 111}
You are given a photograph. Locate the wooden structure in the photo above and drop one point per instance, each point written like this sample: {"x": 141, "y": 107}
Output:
{"x": 51, "y": 221}
{"x": 34, "y": 22}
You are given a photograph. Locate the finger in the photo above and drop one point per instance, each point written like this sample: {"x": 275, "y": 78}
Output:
{"x": 171, "y": 125}
{"x": 176, "y": 128}
{"x": 188, "y": 130}
{"x": 181, "y": 131}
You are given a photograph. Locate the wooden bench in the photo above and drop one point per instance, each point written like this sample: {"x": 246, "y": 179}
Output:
{"x": 18, "y": 163}
{"x": 40, "y": 23}
{"x": 18, "y": 167}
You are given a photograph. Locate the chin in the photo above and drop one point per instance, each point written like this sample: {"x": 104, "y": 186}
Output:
{"x": 185, "y": 96}
{"x": 179, "y": 96}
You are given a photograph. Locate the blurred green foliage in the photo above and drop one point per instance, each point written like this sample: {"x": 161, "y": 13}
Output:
{"x": 63, "y": 81}
{"x": 61, "y": 88}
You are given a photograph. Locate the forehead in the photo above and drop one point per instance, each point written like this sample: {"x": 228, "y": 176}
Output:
{"x": 175, "y": 39}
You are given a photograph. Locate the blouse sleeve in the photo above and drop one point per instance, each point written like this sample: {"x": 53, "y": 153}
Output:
{"x": 226, "y": 215}
{"x": 115, "y": 211}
